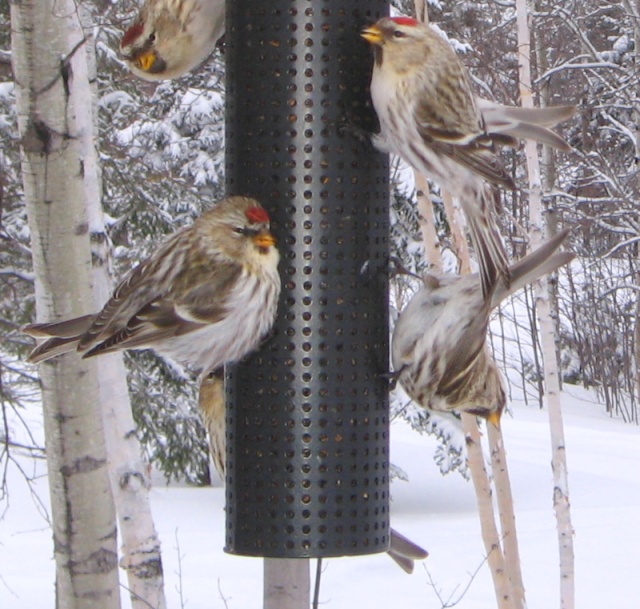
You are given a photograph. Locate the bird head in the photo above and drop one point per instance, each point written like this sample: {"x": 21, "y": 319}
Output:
{"x": 140, "y": 50}
{"x": 389, "y": 29}
{"x": 242, "y": 231}
{"x": 167, "y": 41}
{"x": 401, "y": 40}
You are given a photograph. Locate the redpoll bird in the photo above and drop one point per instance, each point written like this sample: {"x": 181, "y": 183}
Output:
{"x": 212, "y": 406}
{"x": 211, "y": 399}
{"x": 430, "y": 117}
{"x": 438, "y": 347}
{"x": 171, "y": 37}
{"x": 206, "y": 297}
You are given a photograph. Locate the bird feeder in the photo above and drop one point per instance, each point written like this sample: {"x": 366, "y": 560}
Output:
{"x": 307, "y": 416}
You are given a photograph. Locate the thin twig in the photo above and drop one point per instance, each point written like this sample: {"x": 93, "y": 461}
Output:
{"x": 179, "y": 573}
{"x": 316, "y": 587}
{"x": 449, "y": 603}
{"x": 222, "y": 596}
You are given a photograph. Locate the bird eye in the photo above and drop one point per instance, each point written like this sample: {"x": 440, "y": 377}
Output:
{"x": 240, "y": 230}
{"x": 399, "y": 34}
{"x": 152, "y": 37}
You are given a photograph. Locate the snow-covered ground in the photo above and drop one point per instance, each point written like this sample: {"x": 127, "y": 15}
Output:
{"x": 438, "y": 512}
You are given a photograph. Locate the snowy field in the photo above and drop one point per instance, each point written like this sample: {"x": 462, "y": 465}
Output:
{"x": 437, "y": 512}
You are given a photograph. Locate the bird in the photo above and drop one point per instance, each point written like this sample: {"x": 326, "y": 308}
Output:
{"x": 438, "y": 347}
{"x": 169, "y": 38}
{"x": 207, "y": 296}
{"x": 212, "y": 404}
{"x": 430, "y": 117}
{"x": 211, "y": 401}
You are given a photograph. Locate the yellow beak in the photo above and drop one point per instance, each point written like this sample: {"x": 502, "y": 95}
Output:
{"x": 494, "y": 418}
{"x": 264, "y": 240}
{"x": 373, "y": 35}
{"x": 146, "y": 60}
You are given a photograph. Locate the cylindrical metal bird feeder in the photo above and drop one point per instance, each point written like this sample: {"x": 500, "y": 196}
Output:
{"x": 307, "y": 416}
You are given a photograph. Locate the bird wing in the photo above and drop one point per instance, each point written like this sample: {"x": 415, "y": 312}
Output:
{"x": 131, "y": 295}
{"x": 480, "y": 158}
{"x": 153, "y": 323}
{"x": 70, "y": 328}
{"x": 152, "y": 304}
{"x": 457, "y": 131}
{"x": 509, "y": 124}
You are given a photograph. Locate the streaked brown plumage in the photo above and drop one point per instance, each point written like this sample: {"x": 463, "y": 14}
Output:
{"x": 212, "y": 405}
{"x": 211, "y": 399}
{"x": 439, "y": 347}
{"x": 431, "y": 118}
{"x": 207, "y": 296}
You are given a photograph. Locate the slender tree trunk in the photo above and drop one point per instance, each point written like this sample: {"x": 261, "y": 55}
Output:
{"x": 499, "y": 563}
{"x": 547, "y": 335}
{"x": 456, "y": 226}
{"x": 141, "y": 558}
{"x": 507, "y": 513}
{"x": 47, "y": 56}
{"x": 427, "y": 224}
{"x": 490, "y": 536}
{"x": 548, "y": 181}
{"x": 287, "y": 584}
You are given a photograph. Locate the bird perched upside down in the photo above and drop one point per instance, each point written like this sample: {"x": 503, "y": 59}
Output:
{"x": 431, "y": 118}
{"x": 206, "y": 297}
{"x": 212, "y": 406}
{"x": 439, "y": 349}
{"x": 169, "y": 38}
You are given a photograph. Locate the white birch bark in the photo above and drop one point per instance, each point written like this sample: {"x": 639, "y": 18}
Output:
{"x": 490, "y": 536}
{"x": 504, "y": 496}
{"x": 50, "y": 122}
{"x": 287, "y": 584}
{"x": 141, "y": 558}
{"x": 458, "y": 239}
{"x": 547, "y": 334}
{"x": 426, "y": 219}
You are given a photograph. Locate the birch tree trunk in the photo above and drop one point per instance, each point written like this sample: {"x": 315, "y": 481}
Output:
{"x": 547, "y": 334}
{"x": 141, "y": 557}
{"x": 46, "y": 59}
{"x": 490, "y": 536}
{"x": 504, "y": 496}
{"x": 426, "y": 219}
{"x": 475, "y": 458}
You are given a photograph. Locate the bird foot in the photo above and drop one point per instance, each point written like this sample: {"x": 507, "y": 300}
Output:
{"x": 347, "y": 127}
{"x": 397, "y": 267}
{"x": 391, "y": 377}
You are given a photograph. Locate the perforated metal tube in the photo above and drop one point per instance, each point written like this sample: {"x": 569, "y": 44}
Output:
{"x": 307, "y": 417}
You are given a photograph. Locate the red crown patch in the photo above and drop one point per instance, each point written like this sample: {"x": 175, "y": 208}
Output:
{"x": 257, "y": 215}
{"x": 131, "y": 34}
{"x": 405, "y": 20}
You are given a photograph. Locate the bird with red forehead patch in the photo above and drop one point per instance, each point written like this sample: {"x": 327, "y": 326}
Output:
{"x": 169, "y": 38}
{"x": 431, "y": 118}
{"x": 206, "y": 297}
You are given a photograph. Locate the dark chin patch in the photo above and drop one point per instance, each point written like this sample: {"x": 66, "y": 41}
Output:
{"x": 159, "y": 66}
